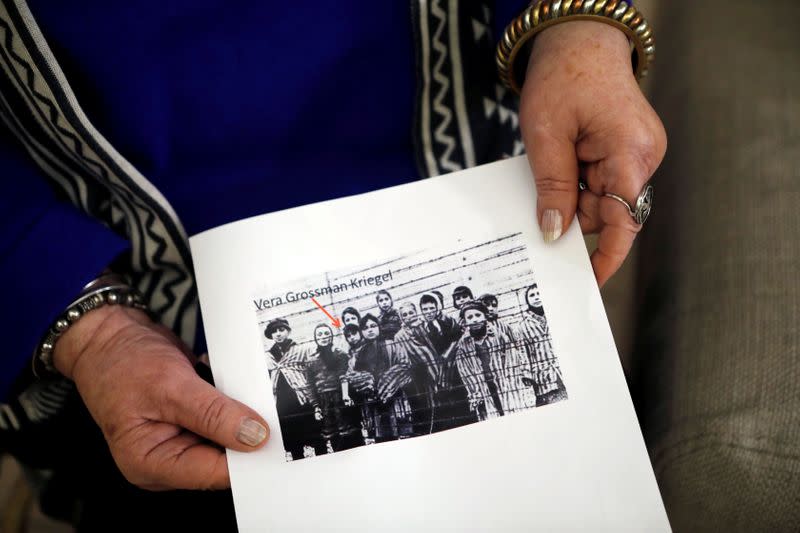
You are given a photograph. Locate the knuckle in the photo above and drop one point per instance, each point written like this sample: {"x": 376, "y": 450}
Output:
{"x": 650, "y": 157}
{"x": 650, "y": 148}
{"x": 213, "y": 479}
{"x": 623, "y": 226}
{"x": 213, "y": 414}
{"x": 615, "y": 258}
{"x": 632, "y": 228}
{"x": 540, "y": 131}
{"x": 550, "y": 185}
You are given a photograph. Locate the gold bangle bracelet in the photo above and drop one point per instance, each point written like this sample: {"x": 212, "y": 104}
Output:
{"x": 542, "y": 14}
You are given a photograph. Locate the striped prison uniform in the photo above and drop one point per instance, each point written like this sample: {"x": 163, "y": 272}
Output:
{"x": 292, "y": 366}
{"x": 534, "y": 335}
{"x": 507, "y": 368}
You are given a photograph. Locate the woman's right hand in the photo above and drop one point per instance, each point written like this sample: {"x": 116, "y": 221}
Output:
{"x": 137, "y": 380}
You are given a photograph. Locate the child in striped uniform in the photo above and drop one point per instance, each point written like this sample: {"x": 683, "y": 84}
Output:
{"x": 496, "y": 374}
{"x": 534, "y": 334}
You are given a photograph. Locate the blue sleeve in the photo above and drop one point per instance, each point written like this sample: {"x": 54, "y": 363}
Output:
{"x": 505, "y": 11}
{"x": 48, "y": 251}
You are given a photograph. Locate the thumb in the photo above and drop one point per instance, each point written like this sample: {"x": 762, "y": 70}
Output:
{"x": 202, "y": 409}
{"x": 555, "y": 169}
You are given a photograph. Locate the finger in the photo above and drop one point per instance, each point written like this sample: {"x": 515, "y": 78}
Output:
{"x": 589, "y": 212}
{"x": 623, "y": 174}
{"x": 555, "y": 169}
{"x": 619, "y": 229}
{"x": 199, "y": 407}
{"x": 185, "y": 462}
{"x": 613, "y": 246}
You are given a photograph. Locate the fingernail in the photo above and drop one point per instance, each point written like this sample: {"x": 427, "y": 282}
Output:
{"x": 551, "y": 224}
{"x": 251, "y": 432}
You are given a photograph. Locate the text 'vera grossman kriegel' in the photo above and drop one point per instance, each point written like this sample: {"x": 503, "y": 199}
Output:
{"x": 306, "y": 294}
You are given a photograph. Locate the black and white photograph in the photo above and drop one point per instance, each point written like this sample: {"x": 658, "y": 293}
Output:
{"x": 408, "y": 346}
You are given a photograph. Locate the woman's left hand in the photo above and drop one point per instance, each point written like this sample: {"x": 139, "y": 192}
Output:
{"x": 582, "y": 114}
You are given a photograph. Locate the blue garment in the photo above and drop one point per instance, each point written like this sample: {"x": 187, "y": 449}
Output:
{"x": 233, "y": 112}
{"x": 219, "y": 113}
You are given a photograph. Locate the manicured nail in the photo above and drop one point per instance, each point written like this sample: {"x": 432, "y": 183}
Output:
{"x": 551, "y": 224}
{"x": 251, "y": 432}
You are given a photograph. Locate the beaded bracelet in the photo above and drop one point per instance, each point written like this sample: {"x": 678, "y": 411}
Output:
{"x": 542, "y": 14}
{"x": 108, "y": 289}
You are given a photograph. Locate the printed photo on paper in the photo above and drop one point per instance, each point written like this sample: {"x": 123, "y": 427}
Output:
{"x": 406, "y": 347}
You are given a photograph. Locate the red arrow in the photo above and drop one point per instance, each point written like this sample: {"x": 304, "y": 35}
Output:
{"x": 334, "y": 321}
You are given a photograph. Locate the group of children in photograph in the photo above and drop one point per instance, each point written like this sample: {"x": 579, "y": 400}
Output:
{"x": 411, "y": 370}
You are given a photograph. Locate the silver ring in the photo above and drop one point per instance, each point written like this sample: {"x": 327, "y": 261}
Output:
{"x": 644, "y": 202}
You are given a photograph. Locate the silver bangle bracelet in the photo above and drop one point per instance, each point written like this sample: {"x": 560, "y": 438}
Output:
{"x": 108, "y": 289}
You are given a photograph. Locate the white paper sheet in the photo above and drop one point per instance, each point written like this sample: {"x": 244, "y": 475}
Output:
{"x": 575, "y": 465}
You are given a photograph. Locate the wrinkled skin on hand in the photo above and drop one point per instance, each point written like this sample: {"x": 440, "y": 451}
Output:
{"x": 164, "y": 425}
{"x": 582, "y": 114}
